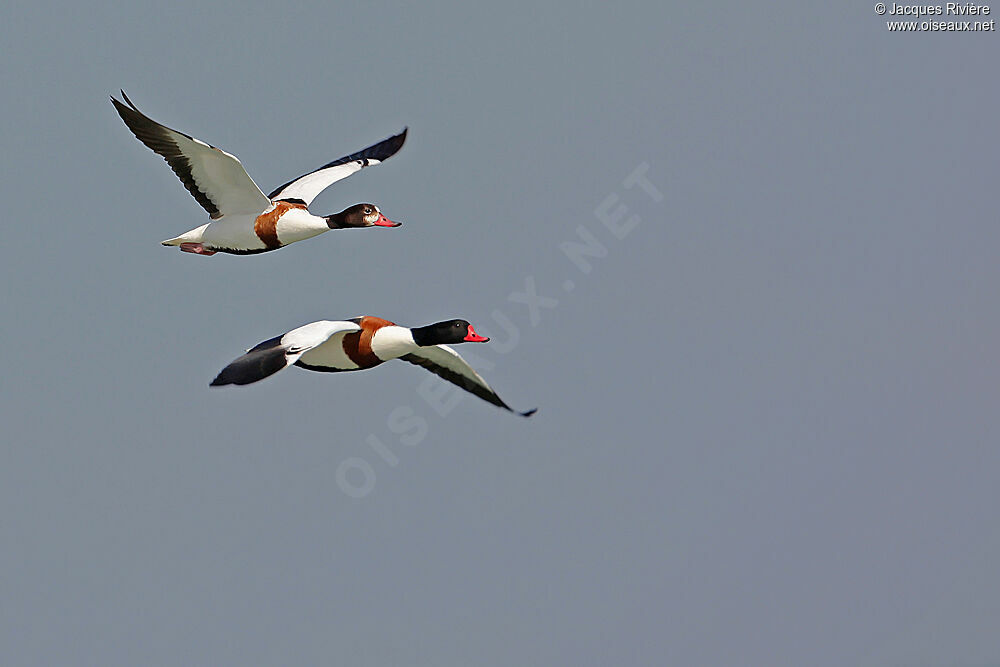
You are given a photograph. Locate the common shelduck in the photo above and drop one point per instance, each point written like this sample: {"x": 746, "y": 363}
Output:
{"x": 365, "y": 342}
{"x": 244, "y": 220}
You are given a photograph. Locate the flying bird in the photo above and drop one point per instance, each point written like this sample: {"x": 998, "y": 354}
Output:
{"x": 244, "y": 220}
{"x": 361, "y": 343}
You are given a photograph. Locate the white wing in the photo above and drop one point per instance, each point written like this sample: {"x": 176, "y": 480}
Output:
{"x": 306, "y": 188}
{"x": 214, "y": 178}
{"x": 448, "y": 364}
{"x": 267, "y": 358}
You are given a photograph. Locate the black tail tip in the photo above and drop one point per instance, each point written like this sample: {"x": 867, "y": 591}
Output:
{"x": 528, "y": 413}
{"x": 218, "y": 382}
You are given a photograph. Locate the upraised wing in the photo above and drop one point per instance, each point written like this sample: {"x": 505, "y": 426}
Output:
{"x": 446, "y": 363}
{"x": 214, "y": 178}
{"x": 267, "y": 358}
{"x": 306, "y": 188}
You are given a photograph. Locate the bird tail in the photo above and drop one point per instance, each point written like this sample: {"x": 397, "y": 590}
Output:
{"x": 193, "y": 236}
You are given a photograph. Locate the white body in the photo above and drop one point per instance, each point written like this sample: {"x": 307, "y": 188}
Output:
{"x": 390, "y": 342}
{"x": 237, "y": 231}
{"x": 330, "y": 354}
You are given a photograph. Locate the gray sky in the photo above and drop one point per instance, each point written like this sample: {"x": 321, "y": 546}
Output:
{"x": 768, "y": 415}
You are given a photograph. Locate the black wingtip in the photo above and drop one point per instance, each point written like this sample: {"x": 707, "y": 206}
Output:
{"x": 389, "y": 147}
{"x": 528, "y": 413}
{"x": 225, "y": 377}
{"x": 263, "y": 360}
{"x": 128, "y": 101}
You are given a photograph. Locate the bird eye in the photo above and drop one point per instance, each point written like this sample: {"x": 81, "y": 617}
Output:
{"x": 368, "y": 211}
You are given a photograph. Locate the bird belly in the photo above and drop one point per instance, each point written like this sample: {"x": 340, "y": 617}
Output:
{"x": 232, "y": 232}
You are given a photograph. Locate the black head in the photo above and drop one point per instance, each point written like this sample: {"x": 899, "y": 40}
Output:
{"x": 450, "y": 331}
{"x": 360, "y": 215}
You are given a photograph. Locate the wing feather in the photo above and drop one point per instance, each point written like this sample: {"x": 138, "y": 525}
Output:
{"x": 216, "y": 179}
{"x": 306, "y": 188}
{"x": 275, "y": 354}
{"x": 449, "y": 365}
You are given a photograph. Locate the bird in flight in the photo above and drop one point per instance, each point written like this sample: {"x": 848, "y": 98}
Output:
{"x": 361, "y": 343}
{"x": 245, "y": 221}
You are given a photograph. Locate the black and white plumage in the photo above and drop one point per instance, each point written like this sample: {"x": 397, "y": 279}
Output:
{"x": 361, "y": 343}
{"x": 243, "y": 219}
{"x": 306, "y": 188}
{"x": 275, "y": 354}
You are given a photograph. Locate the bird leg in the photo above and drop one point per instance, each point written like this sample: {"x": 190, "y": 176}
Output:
{"x": 196, "y": 248}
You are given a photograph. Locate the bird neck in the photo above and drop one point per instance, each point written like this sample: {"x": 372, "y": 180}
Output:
{"x": 335, "y": 221}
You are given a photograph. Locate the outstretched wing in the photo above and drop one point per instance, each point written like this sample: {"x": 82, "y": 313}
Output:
{"x": 446, "y": 363}
{"x": 214, "y": 178}
{"x": 306, "y": 188}
{"x": 271, "y": 356}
